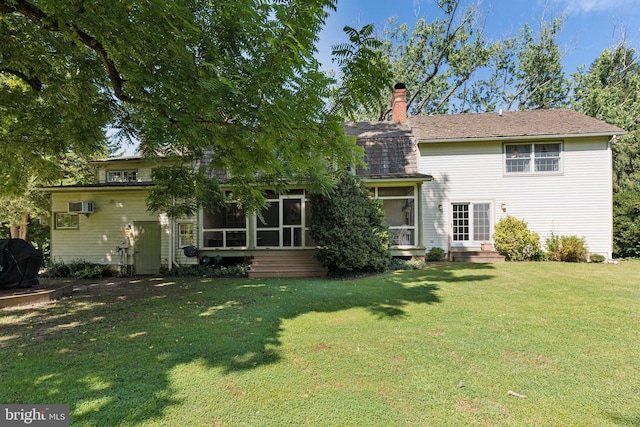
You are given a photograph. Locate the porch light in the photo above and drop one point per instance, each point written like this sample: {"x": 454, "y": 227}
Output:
{"x": 440, "y": 208}
{"x": 503, "y": 207}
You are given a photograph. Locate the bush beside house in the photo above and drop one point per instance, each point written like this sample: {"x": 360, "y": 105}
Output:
{"x": 514, "y": 241}
{"x": 348, "y": 227}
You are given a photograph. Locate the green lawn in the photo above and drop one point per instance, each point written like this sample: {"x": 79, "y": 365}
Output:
{"x": 441, "y": 347}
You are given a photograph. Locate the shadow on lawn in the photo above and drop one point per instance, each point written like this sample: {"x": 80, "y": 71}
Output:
{"x": 109, "y": 351}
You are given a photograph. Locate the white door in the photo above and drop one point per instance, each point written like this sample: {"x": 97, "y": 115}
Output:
{"x": 470, "y": 223}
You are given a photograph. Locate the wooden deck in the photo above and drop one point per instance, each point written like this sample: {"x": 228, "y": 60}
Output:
{"x": 274, "y": 264}
{"x": 475, "y": 256}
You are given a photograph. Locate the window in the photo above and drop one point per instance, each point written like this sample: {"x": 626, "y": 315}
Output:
{"x": 532, "y": 158}
{"x": 66, "y": 221}
{"x": 281, "y": 224}
{"x": 185, "y": 235}
{"x": 460, "y": 221}
{"x": 398, "y": 204}
{"x": 130, "y": 175}
{"x": 225, "y": 228}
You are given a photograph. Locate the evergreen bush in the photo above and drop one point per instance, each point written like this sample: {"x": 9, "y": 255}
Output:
{"x": 349, "y": 228}
{"x": 435, "y": 254}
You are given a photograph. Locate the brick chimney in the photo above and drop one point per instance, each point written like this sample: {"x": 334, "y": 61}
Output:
{"x": 399, "y": 103}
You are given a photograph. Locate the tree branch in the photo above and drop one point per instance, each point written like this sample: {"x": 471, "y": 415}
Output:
{"x": 34, "y": 82}
{"x": 45, "y": 22}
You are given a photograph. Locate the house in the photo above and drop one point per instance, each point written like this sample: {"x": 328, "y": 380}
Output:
{"x": 444, "y": 181}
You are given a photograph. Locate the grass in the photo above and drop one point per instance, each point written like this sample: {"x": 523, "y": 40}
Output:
{"x": 441, "y": 347}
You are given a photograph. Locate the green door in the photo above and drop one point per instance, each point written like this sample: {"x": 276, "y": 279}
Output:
{"x": 147, "y": 248}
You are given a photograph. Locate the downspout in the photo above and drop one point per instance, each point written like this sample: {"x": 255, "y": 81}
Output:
{"x": 171, "y": 243}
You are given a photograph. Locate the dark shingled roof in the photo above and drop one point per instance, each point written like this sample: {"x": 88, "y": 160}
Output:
{"x": 460, "y": 127}
{"x": 389, "y": 148}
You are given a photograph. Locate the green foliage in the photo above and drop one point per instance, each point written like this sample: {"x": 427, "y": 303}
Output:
{"x": 436, "y": 59}
{"x": 609, "y": 90}
{"x": 349, "y": 229}
{"x": 435, "y": 254}
{"x": 361, "y": 56}
{"x": 77, "y": 269}
{"x": 181, "y": 191}
{"x": 237, "y": 80}
{"x": 406, "y": 264}
{"x": 514, "y": 241}
{"x": 597, "y": 258}
{"x": 239, "y": 270}
{"x": 626, "y": 224}
{"x": 526, "y": 72}
{"x": 566, "y": 248}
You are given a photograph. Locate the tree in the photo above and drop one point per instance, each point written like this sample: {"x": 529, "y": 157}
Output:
{"x": 626, "y": 224}
{"x": 354, "y": 96}
{"x": 526, "y": 73}
{"x": 609, "y": 90}
{"x": 235, "y": 79}
{"x": 435, "y": 59}
{"x": 349, "y": 228}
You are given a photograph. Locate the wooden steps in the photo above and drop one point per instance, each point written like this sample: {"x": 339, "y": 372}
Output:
{"x": 274, "y": 264}
{"x": 475, "y": 256}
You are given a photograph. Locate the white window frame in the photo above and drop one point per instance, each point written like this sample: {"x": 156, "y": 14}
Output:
{"x": 123, "y": 175}
{"x": 531, "y": 157}
{"x": 471, "y": 231}
{"x": 186, "y": 238}
{"x": 400, "y": 234}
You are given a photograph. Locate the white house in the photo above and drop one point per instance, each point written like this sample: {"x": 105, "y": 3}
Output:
{"x": 444, "y": 180}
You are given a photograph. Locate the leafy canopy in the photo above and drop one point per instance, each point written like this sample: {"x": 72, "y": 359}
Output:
{"x": 236, "y": 79}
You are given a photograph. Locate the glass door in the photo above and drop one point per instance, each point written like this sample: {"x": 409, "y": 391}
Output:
{"x": 471, "y": 223}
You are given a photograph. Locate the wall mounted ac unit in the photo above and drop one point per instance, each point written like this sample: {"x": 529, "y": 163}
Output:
{"x": 81, "y": 207}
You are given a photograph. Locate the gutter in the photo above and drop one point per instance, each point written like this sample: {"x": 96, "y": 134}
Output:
{"x": 519, "y": 137}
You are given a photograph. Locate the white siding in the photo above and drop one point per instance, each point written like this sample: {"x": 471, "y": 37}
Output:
{"x": 99, "y": 234}
{"x": 577, "y": 201}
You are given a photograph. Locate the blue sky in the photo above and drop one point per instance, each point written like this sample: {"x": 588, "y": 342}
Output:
{"x": 590, "y": 27}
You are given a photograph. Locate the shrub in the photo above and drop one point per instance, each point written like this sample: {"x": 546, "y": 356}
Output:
{"x": 77, "y": 269}
{"x": 199, "y": 270}
{"x": 597, "y": 258}
{"x": 435, "y": 254}
{"x": 406, "y": 264}
{"x": 566, "y": 248}
{"x": 514, "y": 241}
{"x": 348, "y": 227}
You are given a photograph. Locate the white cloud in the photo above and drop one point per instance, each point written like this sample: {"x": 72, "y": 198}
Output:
{"x": 577, "y": 6}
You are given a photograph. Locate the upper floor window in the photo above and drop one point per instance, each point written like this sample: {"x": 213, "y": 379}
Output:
{"x": 130, "y": 175}
{"x": 533, "y": 158}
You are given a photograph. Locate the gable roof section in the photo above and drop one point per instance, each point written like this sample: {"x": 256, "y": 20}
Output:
{"x": 389, "y": 150}
{"x": 509, "y": 125}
